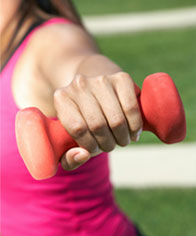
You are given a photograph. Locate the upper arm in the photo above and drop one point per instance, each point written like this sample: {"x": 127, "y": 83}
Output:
{"x": 61, "y": 49}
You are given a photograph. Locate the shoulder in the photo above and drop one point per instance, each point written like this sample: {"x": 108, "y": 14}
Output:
{"x": 58, "y": 49}
{"x": 62, "y": 37}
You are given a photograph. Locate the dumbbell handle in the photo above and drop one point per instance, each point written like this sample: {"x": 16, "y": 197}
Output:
{"x": 42, "y": 141}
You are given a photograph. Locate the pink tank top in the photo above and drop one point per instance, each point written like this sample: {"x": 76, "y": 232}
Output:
{"x": 76, "y": 203}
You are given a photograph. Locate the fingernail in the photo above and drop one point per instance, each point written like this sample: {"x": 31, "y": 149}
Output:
{"x": 128, "y": 140}
{"x": 136, "y": 136}
{"x": 78, "y": 157}
{"x": 81, "y": 157}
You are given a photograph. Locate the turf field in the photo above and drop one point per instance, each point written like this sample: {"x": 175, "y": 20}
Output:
{"x": 161, "y": 212}
{"x": 97, "y": 7}
{"x": 170, "y": 51}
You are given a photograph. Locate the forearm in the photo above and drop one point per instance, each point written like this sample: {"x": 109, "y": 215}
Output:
{"x": 97, "y": 64}
{"x": 90, "y": 65}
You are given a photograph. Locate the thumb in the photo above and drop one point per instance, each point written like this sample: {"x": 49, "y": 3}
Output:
{"x": 74, "y": 158}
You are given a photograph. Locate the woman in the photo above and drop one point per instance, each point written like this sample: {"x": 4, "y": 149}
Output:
{"x": 49, "y": 61}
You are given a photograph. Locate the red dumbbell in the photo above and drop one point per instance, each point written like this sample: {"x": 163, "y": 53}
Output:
{"x": 42, "y": 141}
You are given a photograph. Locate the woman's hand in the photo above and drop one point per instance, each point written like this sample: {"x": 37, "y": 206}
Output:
{"x": 99, "y": 113}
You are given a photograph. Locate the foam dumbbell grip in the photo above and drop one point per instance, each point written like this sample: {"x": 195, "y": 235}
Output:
{"x": 42, "y": 141}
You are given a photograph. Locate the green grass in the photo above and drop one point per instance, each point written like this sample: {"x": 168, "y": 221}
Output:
{"x": 173, "y": 52}
{"x": 160, "y": 212}
{"x": 89, "y": 7}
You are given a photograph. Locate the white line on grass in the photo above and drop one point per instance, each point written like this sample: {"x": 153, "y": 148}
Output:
{"x": 136, "y": 22}
{"x": 154, "y": 165}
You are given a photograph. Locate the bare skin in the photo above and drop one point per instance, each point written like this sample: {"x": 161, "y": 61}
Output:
{"x": 63, "y": 74}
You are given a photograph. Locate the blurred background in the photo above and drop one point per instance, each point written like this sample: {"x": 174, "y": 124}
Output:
{"x": 155, "y": 184}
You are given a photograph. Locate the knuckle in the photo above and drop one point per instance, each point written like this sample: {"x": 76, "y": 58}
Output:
{"x": 78, "y": 130}
{"x": 131, "y": 108}
{"x": 97, "y": 126}
{"x": 101, "y": 79}
{"x": 59, "y": 94}
{"x": 79, "y": 82}
{"x": 117, "y": 121}
{"x": 124, "y": 75}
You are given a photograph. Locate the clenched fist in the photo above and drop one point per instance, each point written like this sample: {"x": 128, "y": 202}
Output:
{"x": 99, "y": 113}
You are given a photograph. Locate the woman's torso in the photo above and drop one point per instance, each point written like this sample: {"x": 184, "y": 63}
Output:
{"x": 79, "y": 202}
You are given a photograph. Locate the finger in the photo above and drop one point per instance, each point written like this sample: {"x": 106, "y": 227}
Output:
{"x": 74, "y": 158}
{"x": 125, "y": 91}
{"x": 112, "y": 110}
{"x": 73, "y": 121}
{"x": 97, "y": 124}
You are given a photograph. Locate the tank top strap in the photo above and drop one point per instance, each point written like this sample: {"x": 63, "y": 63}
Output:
{"x": 51, "y": 21}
